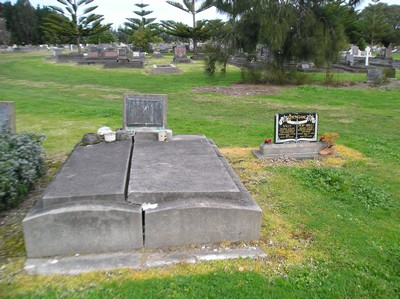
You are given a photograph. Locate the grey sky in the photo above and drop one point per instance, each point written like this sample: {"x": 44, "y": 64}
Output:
{"x": 116, "y": 11}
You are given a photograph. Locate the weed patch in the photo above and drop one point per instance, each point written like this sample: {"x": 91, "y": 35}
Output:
{"x": 345, "y": 186}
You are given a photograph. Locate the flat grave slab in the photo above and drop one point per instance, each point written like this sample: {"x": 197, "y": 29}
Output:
{"x": 93, "y": 172}
{"x": 99, "y": 200}
{"x": 186, "y": 167}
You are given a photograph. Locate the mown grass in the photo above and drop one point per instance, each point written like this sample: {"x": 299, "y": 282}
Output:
{"x": 330, "y": 228}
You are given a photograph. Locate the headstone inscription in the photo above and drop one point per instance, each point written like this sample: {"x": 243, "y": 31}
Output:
{"x": 295, "y": 127}
{"x": 7, "y": 116}
{"x": 144, "y": 110}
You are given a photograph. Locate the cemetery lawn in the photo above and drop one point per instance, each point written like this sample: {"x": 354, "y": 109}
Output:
{"x": 330, "y": 228}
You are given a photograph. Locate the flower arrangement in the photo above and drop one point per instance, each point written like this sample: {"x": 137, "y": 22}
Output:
{"x": 330, "y": 140}
{"x": 267, "y": 140}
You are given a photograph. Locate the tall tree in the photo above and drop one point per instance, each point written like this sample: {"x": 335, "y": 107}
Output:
{"x": 374, "y": 23}
{"x": 69, "y": 21}
{"x": 5, "y": 35}
{"x": 141, "y": 31}
{"x": 189, "y": 6}
{"x": 22, "y": 23}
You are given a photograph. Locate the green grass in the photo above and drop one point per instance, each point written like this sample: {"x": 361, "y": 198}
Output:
{"x": 331, "y": 229}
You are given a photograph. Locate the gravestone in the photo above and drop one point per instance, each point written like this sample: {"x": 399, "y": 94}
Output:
{"x": 7, "y": 116}
{"x": 93, "y": 55}
{"x": 144, "y": 110}
{"x": 111, "y": 54}
{"x": 122, "y": 55}
{"x": 163, "y": 48}
{"x": 350, "y": 59}
{"x": 295, "y": 127}
{"x": 157, "y": 54}
{"x": 305, "y": 67}
{"x": 374, "y": 75}
{"x": 180, "y": 55}
{"x": 295, "y": 137}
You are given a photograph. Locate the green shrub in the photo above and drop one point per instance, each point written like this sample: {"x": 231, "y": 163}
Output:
{"x": 21, "y": 165}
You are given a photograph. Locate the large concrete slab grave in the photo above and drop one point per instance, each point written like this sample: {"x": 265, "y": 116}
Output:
{"x": 131, "y": 194}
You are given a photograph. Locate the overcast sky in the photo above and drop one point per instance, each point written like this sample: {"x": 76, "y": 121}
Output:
{"x": 116, "y": 11}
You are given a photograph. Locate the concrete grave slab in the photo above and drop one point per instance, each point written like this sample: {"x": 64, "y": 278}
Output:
{"x": 184, "y": 168}
{"x": 93, "y": 172}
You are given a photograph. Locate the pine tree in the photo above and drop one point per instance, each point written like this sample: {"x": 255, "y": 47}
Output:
{"x": 69, "y": 21}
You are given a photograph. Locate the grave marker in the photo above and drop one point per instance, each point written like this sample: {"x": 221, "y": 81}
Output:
{"x": 295, "y": 127}
{"x": 7, "y": 115}
{"x": 374, "y": 75}
{"x": 144, "y": 110}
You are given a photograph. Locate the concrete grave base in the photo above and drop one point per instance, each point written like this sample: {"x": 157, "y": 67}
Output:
{"x": 141, "y": 192}
{"x": 165, "y": 69}
{"x": 139, "y": 259}
{"x": 299, "y": 150}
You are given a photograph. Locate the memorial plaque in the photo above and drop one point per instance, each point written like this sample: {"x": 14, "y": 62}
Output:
{"x": 7, "y": 115}
{"x": 294, "y": 127}
{"x": 144, "y": 110}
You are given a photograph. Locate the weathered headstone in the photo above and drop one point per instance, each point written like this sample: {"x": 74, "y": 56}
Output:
{"x": 163, "y": 48}
{"x": 350, "y": 59}
{"x": 374, "y": 75}
{"x": 93, "y": 54}
{"x": 7, "y": 115}
{"x": 144, "y": 110}
{"x": 180, "y": 55}
{"x": 111, "y": 54}
{"x": 123, "y": 55}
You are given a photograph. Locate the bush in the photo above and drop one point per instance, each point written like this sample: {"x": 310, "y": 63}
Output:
{"x": 21, "y": 165}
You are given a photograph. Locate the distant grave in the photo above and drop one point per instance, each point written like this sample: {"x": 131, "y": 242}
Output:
{"x": 295, "y": 137}
{"x": 180, "y": 55}
{"x": 157, "y": 55}
{"x": 165, "y": 69}
{"x": 374, "y": 75}
{"x": 110, "y": 54}
{"x": 7, "y": 116}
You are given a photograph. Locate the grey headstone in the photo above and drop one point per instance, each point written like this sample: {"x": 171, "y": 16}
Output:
{"x": 7, "y": 115}
{"x": 144, "y": 110}
{"x": 374, "y": 75}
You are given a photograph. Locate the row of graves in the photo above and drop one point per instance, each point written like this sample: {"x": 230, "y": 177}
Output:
{"x": 112, "y": 58}
{"x": 124, "y": 58}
